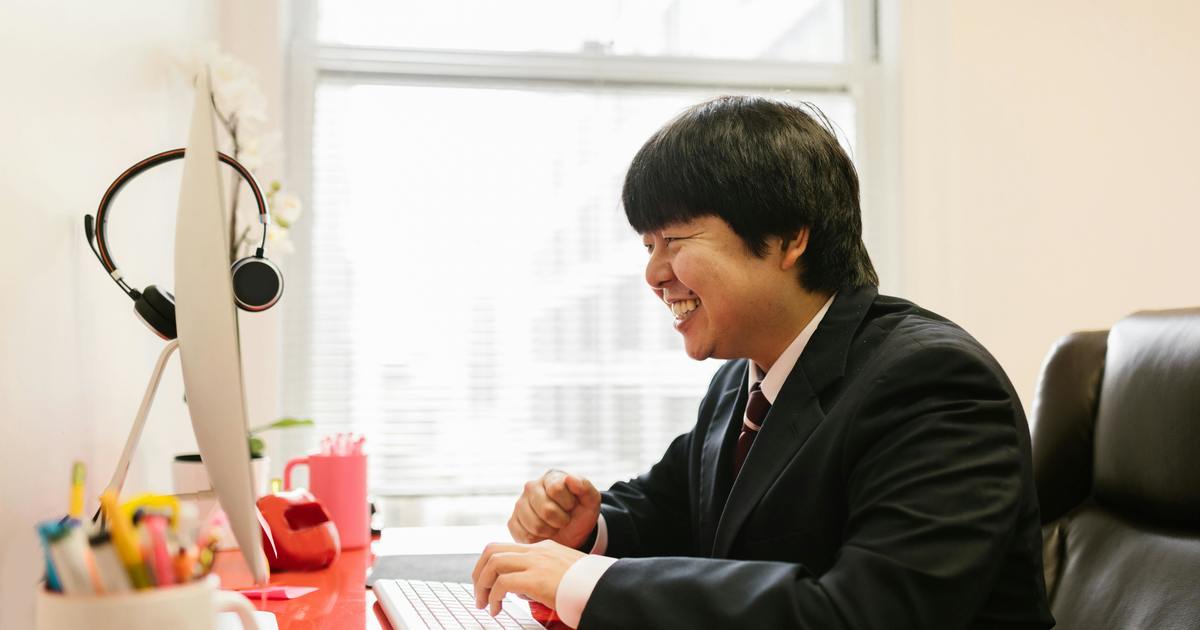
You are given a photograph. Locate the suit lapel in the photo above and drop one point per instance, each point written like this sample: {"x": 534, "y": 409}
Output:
{"x": 792, "y": 419}
{"x": 787, "y": 426}
{"x": 715, "y": 459}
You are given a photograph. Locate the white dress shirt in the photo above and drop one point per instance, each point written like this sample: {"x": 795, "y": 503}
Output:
{"x": 581, "y": 578}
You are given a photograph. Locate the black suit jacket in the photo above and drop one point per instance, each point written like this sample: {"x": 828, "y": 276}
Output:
{"x": 889, "y": 488}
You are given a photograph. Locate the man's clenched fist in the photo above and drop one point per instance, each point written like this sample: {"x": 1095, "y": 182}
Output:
{"x": 559, "y": 507}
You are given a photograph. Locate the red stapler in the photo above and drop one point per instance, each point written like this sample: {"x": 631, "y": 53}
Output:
{"x": 302, "y": 537}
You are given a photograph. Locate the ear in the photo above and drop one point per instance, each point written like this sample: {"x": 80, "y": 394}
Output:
{"x": 793, "y": 248}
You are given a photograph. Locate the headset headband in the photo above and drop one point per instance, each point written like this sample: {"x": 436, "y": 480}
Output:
{"x": 137, "y": 169}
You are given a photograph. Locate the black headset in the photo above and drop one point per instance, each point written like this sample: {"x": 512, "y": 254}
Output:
{"x": 257, "y": 282}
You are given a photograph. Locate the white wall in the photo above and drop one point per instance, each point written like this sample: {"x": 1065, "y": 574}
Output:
{"x": 87, "y": 91}
{"x": 1049, "y": 166}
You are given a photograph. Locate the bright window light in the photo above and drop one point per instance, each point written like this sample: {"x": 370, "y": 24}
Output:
{"x": 474, "y": 301}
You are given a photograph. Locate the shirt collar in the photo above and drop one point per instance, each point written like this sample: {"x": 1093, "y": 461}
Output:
{"x": 772, "y": 382}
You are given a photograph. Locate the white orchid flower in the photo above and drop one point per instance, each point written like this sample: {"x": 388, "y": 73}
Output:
{"x": 242, "y": 108}
{"x": 281, "y": 242}
{"x": 286, "y": 209}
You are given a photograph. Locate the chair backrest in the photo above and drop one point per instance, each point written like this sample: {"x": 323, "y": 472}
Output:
{"x": 1116, "y": 449}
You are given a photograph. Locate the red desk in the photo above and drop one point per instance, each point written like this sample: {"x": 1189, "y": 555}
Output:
{"x": 341, "y": 600}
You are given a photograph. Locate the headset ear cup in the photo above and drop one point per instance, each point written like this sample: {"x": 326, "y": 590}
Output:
{"x": 257, "y": 284}
{"x": 157, "y": 309}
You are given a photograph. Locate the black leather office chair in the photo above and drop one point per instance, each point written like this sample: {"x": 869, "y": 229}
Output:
{"x": 1116, "y": 453}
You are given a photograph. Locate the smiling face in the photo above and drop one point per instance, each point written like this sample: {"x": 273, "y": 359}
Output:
{"x": 727, "y": 302}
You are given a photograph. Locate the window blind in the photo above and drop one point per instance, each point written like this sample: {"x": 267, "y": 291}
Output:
{"x": 479, "y": 307}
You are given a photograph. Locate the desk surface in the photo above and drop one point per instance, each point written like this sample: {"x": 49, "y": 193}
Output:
{"x": 342, "y": 599}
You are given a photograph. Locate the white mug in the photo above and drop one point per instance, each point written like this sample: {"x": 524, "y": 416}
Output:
{"x": 189, "y": 476}
{"x": 191, "y": 606}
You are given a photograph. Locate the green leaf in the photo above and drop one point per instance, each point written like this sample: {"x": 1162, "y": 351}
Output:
{"x": 256, "y": 447}
{"x": 283, "y": 423}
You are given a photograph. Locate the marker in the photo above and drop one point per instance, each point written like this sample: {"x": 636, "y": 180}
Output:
{"x": 159, "y": 557}
{"x": 69, "y": 551}
{"x": 207, "y": 556}
{"x": 155, "y": 502}
{"x": 78, "y": 476}
{"x": 125, "y": 540}
{"x": 48, "y": 530}
{"x": 185, "y": 565}
{"x": 93, "y": 570}
{"x": 112, "y": 573}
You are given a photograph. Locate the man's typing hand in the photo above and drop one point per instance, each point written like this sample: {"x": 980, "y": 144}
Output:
{"x": 533, "y": 571}
{"x": 559, "y": 507}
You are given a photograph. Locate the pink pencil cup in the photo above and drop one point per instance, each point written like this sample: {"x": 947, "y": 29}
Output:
{"x": 339, "y": 482}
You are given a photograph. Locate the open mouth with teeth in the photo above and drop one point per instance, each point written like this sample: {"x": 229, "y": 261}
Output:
{"x": 683, "y": 309}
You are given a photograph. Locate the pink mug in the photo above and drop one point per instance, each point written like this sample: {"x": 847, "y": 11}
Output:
{"x": 339, "y": 482}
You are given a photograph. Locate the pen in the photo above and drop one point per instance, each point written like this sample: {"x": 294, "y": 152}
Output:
{"x": 112, "y": 573}
{"x": 125, "y": 540}
{"x": 78, "y": 476}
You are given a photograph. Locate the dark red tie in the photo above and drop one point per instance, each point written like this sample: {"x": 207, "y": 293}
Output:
{"x": 756, "y": 411}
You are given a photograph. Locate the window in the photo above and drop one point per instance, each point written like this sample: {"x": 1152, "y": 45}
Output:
{"x": 791, "y": 30}
{"x": 471, "y": 297}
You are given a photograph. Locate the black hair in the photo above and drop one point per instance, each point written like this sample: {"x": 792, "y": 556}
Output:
{"x": 767, "y": 168}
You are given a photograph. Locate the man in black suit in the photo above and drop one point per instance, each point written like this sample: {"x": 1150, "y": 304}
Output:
{"x": 859, "y": 463}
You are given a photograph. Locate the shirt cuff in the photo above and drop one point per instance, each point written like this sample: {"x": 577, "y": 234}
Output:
{"x": 577, "y": 585}
{"x": 601, "y": 544}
